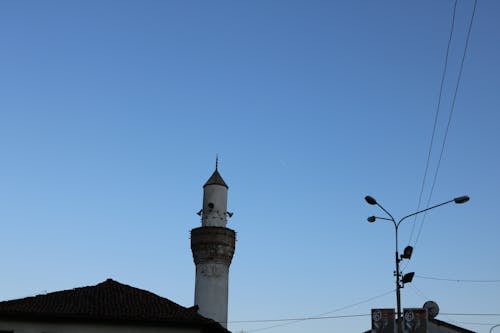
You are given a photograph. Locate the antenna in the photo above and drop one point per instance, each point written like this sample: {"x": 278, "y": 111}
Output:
{"x": 432, "y": 308}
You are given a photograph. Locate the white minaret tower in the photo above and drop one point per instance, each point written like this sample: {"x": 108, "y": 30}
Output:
{"x": 212, "y": 245}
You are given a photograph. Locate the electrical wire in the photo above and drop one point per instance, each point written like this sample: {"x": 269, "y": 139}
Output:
{"x": 456, "y": 280}
{"x": 291, "y": 321}
{"x": 419, "y": 292}
{"x": 349, "y": 316}
{"x": 473, "y": 323}
{"x": 438, "y": 107}
{"x": 449, "y": 116}
{"x": 455, "y": 322}
{"x": 470, "y": 314}
{"x": 300, "y": 318}
{"x": 358, "y": 303}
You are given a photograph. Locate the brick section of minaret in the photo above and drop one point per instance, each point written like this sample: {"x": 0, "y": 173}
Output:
{"x": 213, "y": 244}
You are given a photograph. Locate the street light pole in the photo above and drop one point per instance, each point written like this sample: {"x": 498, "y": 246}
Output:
{"x": 398, "y": 278}
{"x": 401, "y": 280}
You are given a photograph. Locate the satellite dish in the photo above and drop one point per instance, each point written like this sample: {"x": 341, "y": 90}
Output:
{"x": 432, "y": 308}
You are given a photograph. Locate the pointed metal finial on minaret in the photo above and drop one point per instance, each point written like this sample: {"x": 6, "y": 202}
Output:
{"x": 216, "y": 161}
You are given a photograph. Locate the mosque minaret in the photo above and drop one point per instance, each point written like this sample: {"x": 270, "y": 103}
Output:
{"x": 213, "y": 247}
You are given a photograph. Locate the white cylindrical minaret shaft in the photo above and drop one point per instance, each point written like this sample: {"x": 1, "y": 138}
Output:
{"x": 213, "y": 246}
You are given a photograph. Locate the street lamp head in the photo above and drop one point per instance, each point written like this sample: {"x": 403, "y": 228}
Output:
{"x": 370, "y": 200}
{"x": 407, "y": 252}
{"x": 407, "y": 277}
{"x": 371, "y": 219}
{"x": 461, "y": 200}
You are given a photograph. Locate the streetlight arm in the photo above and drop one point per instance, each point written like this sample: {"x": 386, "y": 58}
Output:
{"x": 383, "y": 218}
{"x": 424, "y": 210}
{"x": 392, "y": 218}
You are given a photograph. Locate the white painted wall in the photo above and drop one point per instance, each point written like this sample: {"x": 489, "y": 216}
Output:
{"x": 43, "y": 327}
{"x": 215, "y": 216}
{"x": 211, "y": 291}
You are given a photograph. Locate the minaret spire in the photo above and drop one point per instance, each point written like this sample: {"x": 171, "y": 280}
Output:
{"x": 216, "y": 161}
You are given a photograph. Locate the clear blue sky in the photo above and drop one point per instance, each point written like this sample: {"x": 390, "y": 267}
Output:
{"x": 111, "y": 113}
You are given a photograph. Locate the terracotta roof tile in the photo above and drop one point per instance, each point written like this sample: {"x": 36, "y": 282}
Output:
{"x": 107, "y": 301}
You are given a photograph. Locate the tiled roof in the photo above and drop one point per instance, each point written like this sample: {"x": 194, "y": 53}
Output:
{"x": 108, "y": 301}
{"x": 216, "y": 179}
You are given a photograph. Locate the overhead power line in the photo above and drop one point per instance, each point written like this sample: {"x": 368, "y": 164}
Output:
{"x": 300, "y": 319}
{"x": 459, "y": 79}
{"x": 291, "y": 321}
{"x": 456, "y": 280}
{"x": 358, "y": 303}
{"x": 418, "y": 292}
{"x": 296, "y": 319}
{"x": 438, "y": 107}
{"x": 471, "y": 314}
{"x": 473, "y": 323}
